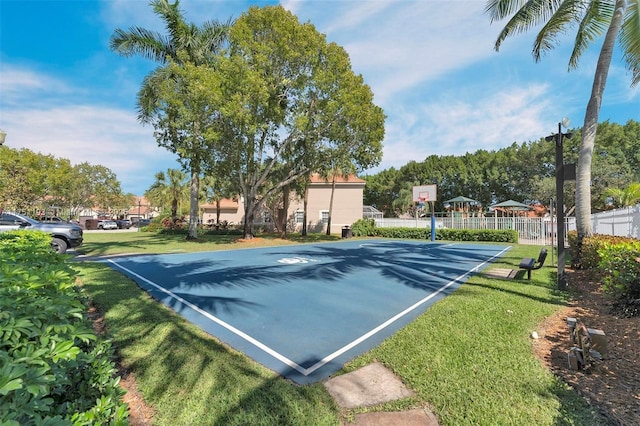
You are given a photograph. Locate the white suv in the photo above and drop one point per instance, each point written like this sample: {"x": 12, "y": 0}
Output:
{"x": 107, "y": 224}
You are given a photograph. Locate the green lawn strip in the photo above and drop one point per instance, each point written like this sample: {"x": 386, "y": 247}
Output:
{"x": 469, "y": 356}
{"x": 112, "y": 243}
{"x": 188, "y": 376}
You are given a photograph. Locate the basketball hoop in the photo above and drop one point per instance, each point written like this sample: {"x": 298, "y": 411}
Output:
{"x": 424, "y": 193}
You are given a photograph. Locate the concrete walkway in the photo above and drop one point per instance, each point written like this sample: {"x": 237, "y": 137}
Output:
{"x": 374, "y": 385}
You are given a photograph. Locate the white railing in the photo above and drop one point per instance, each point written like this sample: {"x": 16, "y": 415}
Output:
{"x": 531, "y": 230}
{"x": 624, "y": 222}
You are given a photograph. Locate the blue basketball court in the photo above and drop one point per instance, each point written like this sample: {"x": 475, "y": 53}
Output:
{"x": 305, "y": 310}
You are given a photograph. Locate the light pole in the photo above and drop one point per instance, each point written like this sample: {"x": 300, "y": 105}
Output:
{"x": 139, "y": 214}
{"x": 558, "y": 137}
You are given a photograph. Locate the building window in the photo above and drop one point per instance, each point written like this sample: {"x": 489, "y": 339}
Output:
{"x": 299, "y": 216}
{"x": 324, "y": 216}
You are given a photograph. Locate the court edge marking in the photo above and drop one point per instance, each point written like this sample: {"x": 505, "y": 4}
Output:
{"x": 328, "y": 358}
{"x": 218, "y": 321}
{"x": 391, "y": 320}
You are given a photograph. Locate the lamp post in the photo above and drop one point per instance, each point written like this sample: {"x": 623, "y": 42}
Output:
{"x": 139, "y": 214}
{"x": 558, "y": 137}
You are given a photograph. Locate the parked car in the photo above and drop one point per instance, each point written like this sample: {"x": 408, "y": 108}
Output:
{"x": 143, "y": 222}
{"x": 123, "y": 223}
{"x": 51, "y": 219}
{"x": 107, "y": 224}
{"x": 64, "y": 235}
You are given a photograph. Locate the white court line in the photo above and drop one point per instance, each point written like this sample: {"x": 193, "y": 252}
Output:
{"x": 218, "y": 321}
{"x": 328, "y": 358}
{"x": 391, "y": 320}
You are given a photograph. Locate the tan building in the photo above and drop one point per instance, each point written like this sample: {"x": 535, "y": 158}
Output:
{"x": 347, "y": 207}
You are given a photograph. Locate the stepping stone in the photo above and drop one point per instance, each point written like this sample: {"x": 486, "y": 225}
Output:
{"x": 416, "y": 417}
{"x": 367, "y": 386}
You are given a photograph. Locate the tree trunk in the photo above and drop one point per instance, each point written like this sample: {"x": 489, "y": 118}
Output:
{"x": 174, "y": 209}
{"x": 285, "y": 211}
{"x": 193, "y": 205}
{"x": 590, "y": 127}
{"x": 218, "y": 211}
{"x": 304, "y": 212}
{"x": 333, "y": 190}
{"x": 249, "y": 210}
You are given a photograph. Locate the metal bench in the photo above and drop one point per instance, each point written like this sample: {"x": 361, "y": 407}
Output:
{"x": 531, "y": 264}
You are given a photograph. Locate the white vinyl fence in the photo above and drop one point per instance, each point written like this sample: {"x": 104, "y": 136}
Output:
{"x": 531, "y": 230}
{"x": 624, "y": 222}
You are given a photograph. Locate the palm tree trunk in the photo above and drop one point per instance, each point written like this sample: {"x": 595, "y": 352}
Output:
{"x": 193, "y": 205}
{"x": 304, "y": 212}
{"x": 333, "y": 190}
{"x": 590, "y": 127}
{"x": 174, "y": 209}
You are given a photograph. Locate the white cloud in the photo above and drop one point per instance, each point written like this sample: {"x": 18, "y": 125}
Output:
{"x": 430, "y": 64}
{"x": 38, "y": 114}
{"x": 19, "y": 84}
{"x": 455, "y": 126}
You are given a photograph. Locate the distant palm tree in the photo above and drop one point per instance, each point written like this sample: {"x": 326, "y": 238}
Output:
{"x": 625, "y": 197}
{"x": 184, "y": 43}
{"x": 595, "y": 18}
{"x": 170, "y": 188}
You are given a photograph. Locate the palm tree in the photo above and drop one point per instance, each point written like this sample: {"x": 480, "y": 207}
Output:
{"x": 625, "y": 197}
{"x": 185, "y": 43}
{"x": 615, "y": 19}
{"x": 170, "y": 188}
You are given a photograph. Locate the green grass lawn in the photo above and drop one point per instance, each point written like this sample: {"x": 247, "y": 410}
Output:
{"x": 112, "y": 243}
{"x": 469, "y": 356}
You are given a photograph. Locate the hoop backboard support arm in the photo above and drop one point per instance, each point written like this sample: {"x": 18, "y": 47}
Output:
{"x": 427, "y": 193}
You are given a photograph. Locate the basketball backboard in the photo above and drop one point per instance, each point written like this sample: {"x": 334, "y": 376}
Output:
{"x": 424, "y": 193}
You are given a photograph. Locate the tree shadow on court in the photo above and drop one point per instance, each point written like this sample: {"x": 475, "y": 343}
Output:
{"x": 191, "y": 377}
{"x": 557, "y": 297}
{"x": 413, "y": 265}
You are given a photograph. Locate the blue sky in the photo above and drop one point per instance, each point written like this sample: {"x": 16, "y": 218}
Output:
{"x": 430, "y": 64}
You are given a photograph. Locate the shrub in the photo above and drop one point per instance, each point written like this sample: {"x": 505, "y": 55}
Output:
{"x": 364, "y": 228}
{"x": 53, "y": 367}
{"x": 591, "y": 247}
{"x": 367, "y": 228}
{"x": 620, "y": 268}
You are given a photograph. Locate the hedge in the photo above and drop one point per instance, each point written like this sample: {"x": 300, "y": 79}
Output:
{"x": 54, "y": 369}
{"x": 616, "y": 260}
{"x": 367, "y": 228}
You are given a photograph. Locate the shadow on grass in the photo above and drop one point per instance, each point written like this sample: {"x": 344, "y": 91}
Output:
{"x": 190, "y": 377}
{"x": 557, "y": 297}
{"x": 155, "y": 242}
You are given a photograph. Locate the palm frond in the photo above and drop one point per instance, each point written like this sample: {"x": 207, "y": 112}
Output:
{"x": 140, "y": 41}
{"x": 567, "y": 13}
{"x": 500, "y": 9}
{"x": 172, "y": 17}
{"x": 531, "y": 14}
{"x": 595, "y": 22}
{"x": 630, "y": 40}
{"x": 147, "y": 97}
{"x": 216, "y": 34}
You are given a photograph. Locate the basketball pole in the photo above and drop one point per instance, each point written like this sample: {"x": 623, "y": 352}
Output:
{"x": 433, "y": 222}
